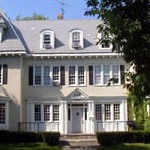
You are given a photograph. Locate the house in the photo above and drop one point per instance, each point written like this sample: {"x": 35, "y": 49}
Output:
{"x": 53, "y": 77}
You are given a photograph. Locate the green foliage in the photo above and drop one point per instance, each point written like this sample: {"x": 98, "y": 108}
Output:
{"x": 128, "y": 23}
{"x": 115, "y": 138}
{"x": 33, "y": 17}
{"x": 51, "y": 138}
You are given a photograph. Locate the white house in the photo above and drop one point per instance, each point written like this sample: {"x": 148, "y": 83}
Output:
{"x": 53, "y": 77}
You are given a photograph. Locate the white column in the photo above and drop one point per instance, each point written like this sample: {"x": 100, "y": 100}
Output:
{"x": 65, "y": 118}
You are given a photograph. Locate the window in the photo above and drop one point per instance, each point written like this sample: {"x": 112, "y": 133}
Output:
{"x": 106, "y": 44}
{"x": 116, "y": 111}
{"x": 55, "y": 112}
{"x": 45, "y": 112}
{"x": 3, "y": 73}
{"x": 56, "y": 74}
{"x": 76, "y": 75}
{"x": 47, "y": 40}
{"x": 2, "y": 113}
{"x": 103, "y": 73}
{"x": 106, "y": 73}
{"x": 80, "y": 75}
{"x": 98, "y": 80}
{"x": 47, "y": 75}
{"x": 98, "y": 111}
{"x": 72, "y": 75}
{"x": 76, "y": 39}
{"x": 37, "y": 112}
{"x": 107, "y": 111}
{"x": 38, "y": 75}
{"x": 115, "y": 74}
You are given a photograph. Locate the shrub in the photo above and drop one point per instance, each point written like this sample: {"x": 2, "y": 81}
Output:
{"x": 113, "y": 138}
{"x": 51, "y": 138}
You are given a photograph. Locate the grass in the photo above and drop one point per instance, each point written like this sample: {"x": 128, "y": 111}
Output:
{"x": 133, "y": 146}
{"x": 29, "y": 146}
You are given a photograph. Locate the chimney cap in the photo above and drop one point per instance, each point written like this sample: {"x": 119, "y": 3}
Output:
{"x": 60, "y": 16}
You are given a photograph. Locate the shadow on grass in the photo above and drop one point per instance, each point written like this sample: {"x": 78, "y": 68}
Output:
{"x": 29, "y": 146}
{"x": 135, "y": 146}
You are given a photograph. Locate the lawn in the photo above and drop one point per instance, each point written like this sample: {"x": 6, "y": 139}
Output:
{"x": 133, "y": 146}
{"x": 29, "y": 146}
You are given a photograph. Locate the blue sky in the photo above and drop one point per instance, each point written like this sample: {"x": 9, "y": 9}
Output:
{"x": 74, "y": 9}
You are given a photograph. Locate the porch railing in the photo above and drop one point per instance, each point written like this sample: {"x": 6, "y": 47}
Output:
{"x": 38, "y": 126}
{"x": 112, "y": 126}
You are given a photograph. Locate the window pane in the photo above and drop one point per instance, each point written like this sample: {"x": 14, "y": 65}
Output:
{"x": 37, "y": 112}
{"x": 2, "y": 113}
{"x": 98, "y": 111}
{"x": 80, "y": 75}
{"x": 116, "y": 111}
{"x": 72, "y": 75}
{"x": 106, "y": 73}
{"x": 115, "y": 72}
{"x": 55, "y": 112}
{"x": 46, "y": 75}
{"x": 46, "y": 112}
{"x": 47, "y": 38}
{"x": 37, "y": 79}
{"x": 56, "y": 73}
{"x": 97, "y": 75}
{"x": 107, "y": 112}
{"x": 76, "y": 36}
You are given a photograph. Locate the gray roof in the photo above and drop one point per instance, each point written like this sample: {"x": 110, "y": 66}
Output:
{"x": 10, "y": 41}
{"x": 29, "y": 33}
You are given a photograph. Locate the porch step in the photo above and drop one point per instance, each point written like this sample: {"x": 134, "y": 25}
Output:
{"x": 79, "y": 141}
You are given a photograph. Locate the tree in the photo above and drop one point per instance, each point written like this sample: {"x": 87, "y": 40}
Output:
{"x": 33, "y": 17}
{"x": 128, "y": 23}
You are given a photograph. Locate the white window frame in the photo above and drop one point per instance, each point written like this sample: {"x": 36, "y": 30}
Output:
{"x": 58, "y": 74}
{"x": 100, "y": 46}
{"x": 42, "y": 76}
{"x": 43, "y": 113}
{"x": 77, "y": 75}
{"x": 52, "y": 39}
{"x": 81, "y": 40}
{"x": 6, "y": 124}
{"x": 111, "y": 74}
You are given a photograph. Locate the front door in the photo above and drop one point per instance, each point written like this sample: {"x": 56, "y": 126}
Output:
{"x": 77, "y": 119}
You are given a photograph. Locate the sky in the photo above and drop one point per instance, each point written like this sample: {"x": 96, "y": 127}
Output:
{"x": 73, "y": 9}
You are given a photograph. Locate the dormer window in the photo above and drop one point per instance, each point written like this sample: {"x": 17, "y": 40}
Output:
{"x": 106, "y": 44}
{"x": 47, "y": 40}
{"x": 76, "y": 39}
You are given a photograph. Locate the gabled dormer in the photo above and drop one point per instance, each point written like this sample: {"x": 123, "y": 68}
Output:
{"x": 3, "y": 27}
{"x": 47, "y": 40}
{"x": 105, "y": 45}
{"x": 76, "y": 40}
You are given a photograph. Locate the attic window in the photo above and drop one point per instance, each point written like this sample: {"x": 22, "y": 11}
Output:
{"x": 47, "y": 40}
{"x": 105, "y": 44}
{"x": 76, "y": 39}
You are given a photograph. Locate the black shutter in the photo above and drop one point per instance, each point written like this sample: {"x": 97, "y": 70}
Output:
{"x": 5, "y": 73}
{"x": 90, "y": 75}
{"x": 30, "y": 75}
{"x": 62, "y": 75}
{"x": 122, "y": 75}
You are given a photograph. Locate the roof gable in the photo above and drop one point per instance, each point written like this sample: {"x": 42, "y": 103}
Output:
{"x": 77, "y": 94}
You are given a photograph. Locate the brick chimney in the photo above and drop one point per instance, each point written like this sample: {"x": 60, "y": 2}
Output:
{"x": 60, "y": 16}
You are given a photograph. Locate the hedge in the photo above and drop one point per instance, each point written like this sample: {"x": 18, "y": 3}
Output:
{"x": 51, "y": 138}
{"x": 113, "y": 138}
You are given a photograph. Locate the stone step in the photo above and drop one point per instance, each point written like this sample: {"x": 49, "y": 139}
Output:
{"x": 79, "y": 142}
